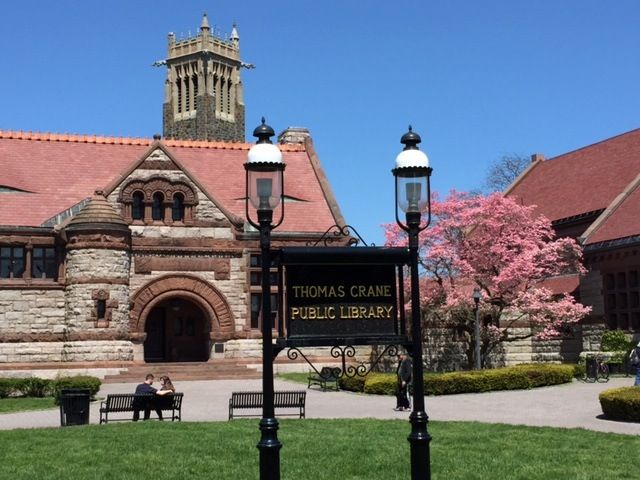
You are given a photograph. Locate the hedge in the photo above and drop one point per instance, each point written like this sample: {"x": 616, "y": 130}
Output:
{"x": 80, "y": 381}
{"x": 41, "y": 387}
{"x": 621, "y": 403}
{"x": 8, "y": 387}
{"x": 518, "y": 377}
{"x": 355, "y": 384}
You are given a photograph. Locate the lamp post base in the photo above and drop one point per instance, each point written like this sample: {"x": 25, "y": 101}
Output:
{"x": 419, "y": 440}
{"x": 269, "y": 447}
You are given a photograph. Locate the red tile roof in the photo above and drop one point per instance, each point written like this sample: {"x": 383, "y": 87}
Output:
{"x": 581, "y": 181}
{"x": 620, "y": 220}
{"x": 56, "y": 171}
{"x": 562, "y": 284}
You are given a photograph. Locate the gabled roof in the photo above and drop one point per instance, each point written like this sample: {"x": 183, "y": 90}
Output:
{"x": 55, "y": 172}
{"x": 585, "y": 180}
{"x": 620, "y": 220}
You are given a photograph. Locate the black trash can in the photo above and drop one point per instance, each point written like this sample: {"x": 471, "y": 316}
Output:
{"x": 74, "y": 406}
{"x": 591, "y": 366}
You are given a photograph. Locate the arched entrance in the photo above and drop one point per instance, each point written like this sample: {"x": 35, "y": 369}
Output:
{"x": 177, "y": 331}
{"x": 157, "y": 304}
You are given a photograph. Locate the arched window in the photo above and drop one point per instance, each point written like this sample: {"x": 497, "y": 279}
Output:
{"x": 157, "y": 209}
{"x": 179, "y": 94}
{"x": 157, "y": 200}
{"x": 194, "y": 79}
{"x": 177, "y": 209}
{"x": 223, "y": 92}
{"x": 137, "y": 206}
{"x": 187, "y": 96}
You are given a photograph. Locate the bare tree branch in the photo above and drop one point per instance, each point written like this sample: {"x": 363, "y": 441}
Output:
{"x": 504, "y": 171}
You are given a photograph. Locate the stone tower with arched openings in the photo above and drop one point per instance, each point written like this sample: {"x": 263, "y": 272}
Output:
{"x": 203, "y": 90}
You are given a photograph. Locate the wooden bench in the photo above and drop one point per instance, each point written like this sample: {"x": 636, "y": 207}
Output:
{"x": 130, "y": 402}
{"x": 327, "y": 375}
{"x": 253, "y": 400}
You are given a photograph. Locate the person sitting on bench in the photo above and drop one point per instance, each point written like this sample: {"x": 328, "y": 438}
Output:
{"x": 145, "y": 388}
{"x": 165, "y": 392}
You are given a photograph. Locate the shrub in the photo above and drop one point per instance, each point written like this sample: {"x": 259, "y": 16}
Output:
{"x": 380, "y": 384}
{"x": 613, "y": 340}
{"x": 450, "y": 383}
{"x": 541, "y": 375}
{"x": 35, "y": 387}
{"x": 28, "y": 387}
{"x": 19, "y": 385}
{"x": 621, "y": 403}
{"x": 355, "y": 384}
{"x": 509, "y": 378}
{"x": 80, "y": 381}
{"x": 579, "y": 370}
{"x": 8, "y": 387}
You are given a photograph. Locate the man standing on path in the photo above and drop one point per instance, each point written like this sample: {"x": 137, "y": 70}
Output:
{"x": 404, "y": 378}
{"x": 634, "y": 359}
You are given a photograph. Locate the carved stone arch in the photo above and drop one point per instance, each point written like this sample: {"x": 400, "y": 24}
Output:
{"x": 126, "y": 194}
{"x": 186, "y": 191}
{"x": 156, "y": 185}
{"x": 159, "y": 184}
{"x": 193, "y": 288}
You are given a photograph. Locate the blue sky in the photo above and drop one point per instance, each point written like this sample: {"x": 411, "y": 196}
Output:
{"x": 476, "y": 79}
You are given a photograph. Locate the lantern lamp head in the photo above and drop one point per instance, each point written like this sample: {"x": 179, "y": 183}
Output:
{"x": 264, "y": 168}
{"x": 412, "y": 174}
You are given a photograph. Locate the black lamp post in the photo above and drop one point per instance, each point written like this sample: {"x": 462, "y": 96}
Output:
{"x": 477, "y": 296}
{"x": 413, "y": 192}
{"x": 264, "y": 189}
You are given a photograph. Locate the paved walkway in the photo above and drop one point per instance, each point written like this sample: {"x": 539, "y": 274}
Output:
{"x": 571, "y": 405}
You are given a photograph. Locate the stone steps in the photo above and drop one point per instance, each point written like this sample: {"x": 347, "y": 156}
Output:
{"x": 212, "y": 370}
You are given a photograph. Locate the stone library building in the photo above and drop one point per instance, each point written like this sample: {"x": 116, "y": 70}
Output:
{"x": 131, "y": 251}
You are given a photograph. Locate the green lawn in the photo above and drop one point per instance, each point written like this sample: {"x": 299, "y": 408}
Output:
{"x": 298, "y": 377}
{"x": 22, "y": 404}
{"x": 314, "y": 450}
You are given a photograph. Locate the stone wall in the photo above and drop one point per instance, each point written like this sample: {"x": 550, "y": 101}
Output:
{"x": 205, "y": 125}
{"x": 87, "y": 351}
{"x": 591, "y": 292}
{"x": 95, "y": 275}
{"x": 29, "y": 311}
{"x": 591, "y": 335}
{"x": 97, "y": 263}
{"x": 81, "y": 315}
{"x": 443, "y": 352}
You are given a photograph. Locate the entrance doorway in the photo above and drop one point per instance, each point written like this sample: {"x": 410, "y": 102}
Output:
{"x": 177, "y": 331}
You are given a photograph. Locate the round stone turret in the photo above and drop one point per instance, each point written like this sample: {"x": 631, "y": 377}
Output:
{"x": 98, "y": 263}
{"x": 97, "y": 215}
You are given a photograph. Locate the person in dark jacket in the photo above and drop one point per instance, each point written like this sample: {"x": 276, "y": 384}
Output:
{"x": 634, "y": 359}
{"x": 146, "y": 404}
{"x": 403, "y": 373}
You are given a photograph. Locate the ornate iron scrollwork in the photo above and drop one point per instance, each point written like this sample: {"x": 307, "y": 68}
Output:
{"x": 337, "y": 233}
{"x": 348, "y": 369}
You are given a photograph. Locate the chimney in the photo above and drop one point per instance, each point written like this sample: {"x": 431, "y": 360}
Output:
{"x": 294, "y": 135}
{"x": 537, "y": 157}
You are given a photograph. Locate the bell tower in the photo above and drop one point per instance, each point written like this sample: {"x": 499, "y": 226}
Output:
{"x": 203, "y": 91}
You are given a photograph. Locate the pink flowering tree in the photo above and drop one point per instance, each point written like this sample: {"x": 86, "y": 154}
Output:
{"x": 503, "y": 248}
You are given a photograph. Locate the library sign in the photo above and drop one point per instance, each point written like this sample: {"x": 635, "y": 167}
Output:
{"x": 342, "y": 294}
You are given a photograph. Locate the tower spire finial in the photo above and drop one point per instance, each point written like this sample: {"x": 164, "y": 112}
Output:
{"x": 204, "y": 26}
{"x": 235, "y": 38}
